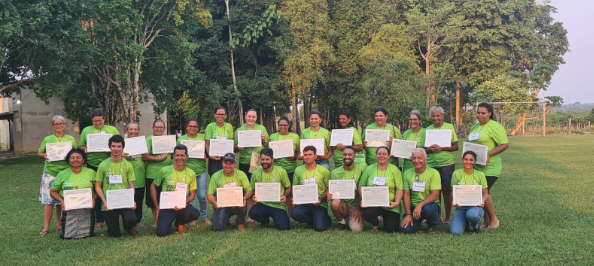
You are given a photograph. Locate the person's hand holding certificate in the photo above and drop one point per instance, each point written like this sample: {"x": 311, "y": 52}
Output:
{"x": 342, "y": 189}
{"x": 220, "y": 147}
{"x": 282, "y": 148}
{"x": 173, "y": 200}
{"x": 375, "y": 197}
{"x": 305, "y": 194}
{"x": 98, "y": 142}
{"x": 268, "y": 192}
{"x": 439, "y": 137}
{"x": 342, "y": 136}
{"x": 229, "y": 197}
{"x": 249, "y": 138}
{"x": 377, "y": 137}
{"x": 135, "y": 146}
{"x": 467, "y": 195}
{"x": 78, "y": 199}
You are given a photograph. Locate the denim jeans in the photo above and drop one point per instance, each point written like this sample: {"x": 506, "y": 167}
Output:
{"x": 429, "y": 213}
{"x": 202, "y": 183}
{"x": 220, "y": 217}
{"x": 463, "y": 216}
{"x": 262, "y": 213}
{"x": 324, "y": 163}
{"x": 181, "y": 217}
{"x": 310, "y": 214}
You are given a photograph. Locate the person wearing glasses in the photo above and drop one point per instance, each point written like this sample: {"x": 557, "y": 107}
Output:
{"x": 415, "y": 133}
{"x": 154, "y": 163}
{"x": 217, "y": 130}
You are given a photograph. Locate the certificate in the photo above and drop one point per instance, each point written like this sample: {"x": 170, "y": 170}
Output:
{"x": 249, "y": 138}
{"x": 135, "y": 146}
{"x": 468, "y": 195}
{"x": 402, "y": 148}
{"x": 377, "y": 137}
{"x": 78, "y": 199}
{"x": 57, "y": 151}
{"x": 375, "y": 196}
{"x": 98, "y": 142}
{"x": 282, "y": 148}
{"x": 220, "y": 147}
{"x": 163, "y": 144}
{"x": 305, "y": 194}
{"x": 318, "y": 143}
{"x": 342, "y": 136}
{"x": 119, "y": 198}
{"x": 268, "y": 192}
{"x": 480, "y": 150}
{"x": 441, "y": 137}
{"x": 172, "y": 199}
{"x": 230, "y": 197}
{"x": 195, "y": 148}
{"x": 342, "y": 189}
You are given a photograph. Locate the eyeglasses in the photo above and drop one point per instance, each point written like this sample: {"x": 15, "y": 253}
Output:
{"x": 59, "y": 124}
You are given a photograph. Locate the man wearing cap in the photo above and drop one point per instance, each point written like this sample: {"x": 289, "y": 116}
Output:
{"x": 228, "y": 177}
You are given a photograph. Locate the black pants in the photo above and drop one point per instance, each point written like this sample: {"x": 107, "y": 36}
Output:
{"x": 138, "y": 198}
{"x": 112, "y": 219}
{"x": 214, "y": 166}
{"x": 98, "y": 202}
{"x": 391, "y": 219}
{"x": 149, "y": 198}
{"x": 182, "y": 217}
{"x": 246, "y": 169}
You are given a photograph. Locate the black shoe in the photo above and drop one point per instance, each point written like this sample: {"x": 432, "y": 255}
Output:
{"x": 478, "y": 230}
{"x": 264, "y": 225}
{"x": 340, "y": 227}
{"x": 133, "y": 232}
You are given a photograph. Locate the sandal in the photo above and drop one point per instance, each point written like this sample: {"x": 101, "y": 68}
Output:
{"x": 98, "y": 226}
{"x": 44, "y": 232}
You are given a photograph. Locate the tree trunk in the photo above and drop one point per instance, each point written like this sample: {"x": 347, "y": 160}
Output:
{"x": 458, "y": 122}
{"x": 295, "y": 110}
{"x": 233, "y": 66}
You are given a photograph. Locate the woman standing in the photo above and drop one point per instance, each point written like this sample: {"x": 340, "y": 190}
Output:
{"x": 381, "y": 118}
{"x": 154, "y": 163}
{"x": 346, "y": 122}
{"x": 289, "y": 163}
{"x": 245, "y": 154}
{"x": 415, "y": 133}
{"x": 139, "y": 173}
{"x": 50, "y": 170}
{"x": 217, "y": 130}
{"x": 315, "y": 131}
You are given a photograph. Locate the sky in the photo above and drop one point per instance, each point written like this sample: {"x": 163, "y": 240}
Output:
{"x": 571, "y": 81}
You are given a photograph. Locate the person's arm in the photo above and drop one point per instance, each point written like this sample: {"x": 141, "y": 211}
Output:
{"x": 99, "y": 191}
{"x": 485, "y": 197}
{"x": 436, "y": 148}
{"x": 287, "y": 194}
{"x": 407, "y": 216}
{"x": 213, "y": 201}
{"x": 322, "y": 198}
{"x": 55, "y": 194}
{"x": 148, "y": 158}
{"x": 131, "y": 186}
{"x": 358, "y": 147}
{"x": 247, "y": 195}
{"x": 432, "y": 198}
{"x": 499, "y": 149}
{"x": 153, "y": 189}
{"x": 397, "y": 199}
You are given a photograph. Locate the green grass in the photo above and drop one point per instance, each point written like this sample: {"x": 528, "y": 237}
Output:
{"x": 543, "y": 199}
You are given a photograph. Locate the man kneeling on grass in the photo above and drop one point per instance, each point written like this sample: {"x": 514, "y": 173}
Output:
{"x": 175, "y": 178}
{"x": 348, "y": 207}
{"x": 262, "y": 211}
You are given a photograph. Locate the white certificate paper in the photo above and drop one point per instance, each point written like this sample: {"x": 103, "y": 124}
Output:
{"x": 195, "y": 148}
{"x": 402, "y": 148}
{"x": 375, "y": 196}
{"x": 78, "y": 198}
{"x": 282, "y": 148}
{"x": 318, "y": 143}
{"x": 98, "y": 142}
{"x": 163, "y": 144}
{"x": 441, "y": 137}
{"x": 249, "y": 138}
{"x": 342, "y": 189}
{"x": 480, "y": 150}
{"x": 119, "y": 198}
{"x": 268, "y": 192}
{"x": 377, "y": 137}
{"x": 305, "y": 194}
{"x": 172, "y": 199}
{"x": 135, "y": 146}
{"x": 57, "y": 151}
{"x": 342, "y": 136}
{"x": 468, "y": 195}
{"x": 230, "y": 197}
{"x": 220, "y": 147}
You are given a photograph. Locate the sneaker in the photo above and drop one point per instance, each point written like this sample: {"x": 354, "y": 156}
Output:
{"x": 240, "y": 227}
{"x": 133, "y": 232}
{"x": 181, "y": 228}
{"x": 340, "y": 227}
{"x": 478, "y": 230}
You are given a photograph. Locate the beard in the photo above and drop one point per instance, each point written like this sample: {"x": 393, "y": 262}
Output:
{"x": 266, "y": 165}
{"x": 348, "y": 162}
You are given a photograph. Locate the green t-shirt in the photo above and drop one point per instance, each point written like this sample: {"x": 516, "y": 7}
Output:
{"x": 370, "y": 152}
{"x": 153, "y": 168}
{"x": 431, "y": 179}
{"x": 337, "y": 154}
{"x": 107, "y": 168}
{"x": 442, "y": 158}
{"x": 321, "y": 175}
{"x": 419, "y": 137}
{"x": 322, "y": 133}
{"x": 53, "y": 168}
{"x": 168, "y": 177}
{"x": 219, "y": 180}
{"x": 95, "y": 158}
{"x": 278, "y": 175}
{"x": 197, "y": 165}
{"x": 245, "y": 155}
{"x": 393, "y": 180}
{"x": 341, "y": 174}
{"x": 476, "y": 178}
{"x": 139, "y": 167}
{"x": 289, "y": 166}
{"x": 213, "y": 131}
{"x": 68, "y": 180}
{"x": 492, "y": 134}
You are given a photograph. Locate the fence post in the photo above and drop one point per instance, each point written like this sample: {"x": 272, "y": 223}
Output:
{"x": 569, "y": 127}
{"x": 544, "y": 120}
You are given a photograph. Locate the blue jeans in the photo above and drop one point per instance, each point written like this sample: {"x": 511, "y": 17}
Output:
{"x": 181, "y": 217}
{"x": 324, "y": 163}
{"x": 463, "y": 216}
{"x": 220, "y": 217}
{"x": 202, "y": 183}
{"x": 429, "y": 213}
{"x": 310, "y": 214}
{"x": 261, "y": 213}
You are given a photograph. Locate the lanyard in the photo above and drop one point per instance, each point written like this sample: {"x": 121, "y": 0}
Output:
{"x": 224, "y": 130}
{"x": 421, "y": 176}
{"x": 473, "y": 179}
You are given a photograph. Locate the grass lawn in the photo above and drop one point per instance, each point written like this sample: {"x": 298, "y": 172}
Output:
{"x": 543, "y": 200}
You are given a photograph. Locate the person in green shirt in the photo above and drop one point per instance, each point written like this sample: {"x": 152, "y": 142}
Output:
{"x": 381, "y": 118}
{"x": 315, "y": 131}
{"x": 442, "y": 159}
{"x": 415, "y": 133}
{"x": 421, "y": 194}
{"x": 115, "y": 173}
{"x": 383, "y": 174}
{"x": 469, "y": 214}
{"x": 263, "y": 211}
{"x": 217, "y": 130}
{"x": 345, "y": 121}
{"x": 351, "y": 208}
{"x": 175, "y": 178}
{"x": 310, "y": 173}
{"x": 228, "y": 177}
{"x": 76, "y": 223}
{"x": 50, "y": 170}
{"x": 154, "y": 163}
{"x": 490, "y": 133}
{"x": 198, "y": 165}
{"x": 289, "y": 163}
{"x": 133, "y": 130}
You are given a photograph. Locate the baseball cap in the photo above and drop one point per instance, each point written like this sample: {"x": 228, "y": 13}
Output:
{"x": 229, "y": 157}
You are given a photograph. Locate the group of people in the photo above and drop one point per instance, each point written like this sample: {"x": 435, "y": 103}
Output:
{"x": 415, "y": 190}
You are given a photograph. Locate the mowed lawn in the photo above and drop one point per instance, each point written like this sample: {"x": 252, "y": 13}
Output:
{"x": 544, "y": 200}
